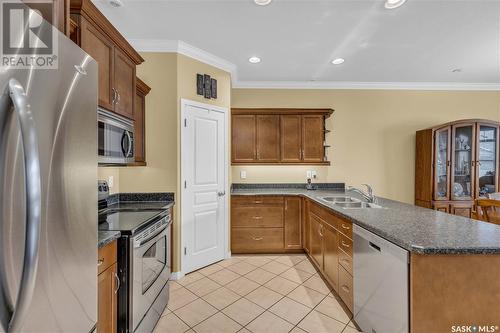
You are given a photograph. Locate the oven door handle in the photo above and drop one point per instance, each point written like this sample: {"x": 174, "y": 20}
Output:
{"x": 152, "y": 237}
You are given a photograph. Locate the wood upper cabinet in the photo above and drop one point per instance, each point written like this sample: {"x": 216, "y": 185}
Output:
{"x": 291, "y": 138}
{"x": 101, "y": 48}
{"x": 312, "y": 138}
{"x": 124, "y": 84}
{"x": 316, "y": 239}
{"x": 243, "y": 135}
{"x": 116, "y": 58}
{"x": 142, "y": 89}
{"x": 293, "y": 223}
{"x": 331, "y": 255}
{"x": 268, "y": 138}
{"x": 279, "y": 136}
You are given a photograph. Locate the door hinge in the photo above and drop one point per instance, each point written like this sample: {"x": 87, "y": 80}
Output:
{"x": 185, "y": 122}
{"x": 185, "y": 250}
{"x": 185, "y": 184}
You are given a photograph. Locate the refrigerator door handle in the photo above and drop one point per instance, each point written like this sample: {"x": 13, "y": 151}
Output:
{"x": 33, "y": 206}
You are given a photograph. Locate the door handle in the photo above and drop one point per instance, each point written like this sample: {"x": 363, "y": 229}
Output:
{"x": 113, "y": 99}
{"x": 29, "y": 141}
{"x": 118, "y": 283}
{"x": 221, "y": 193}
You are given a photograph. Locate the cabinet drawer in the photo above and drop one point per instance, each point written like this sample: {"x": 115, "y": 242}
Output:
{"x": 256, "y": 200}
{"x": 344, "y": 227}
{"x": 248, "y": 240}
{"x": 345, "y": 244}
{"x": 345, "y": 287}
{"x": 106, "y": 257}
{"x": 345, "y": 260}
{"x": 265, "y": 216}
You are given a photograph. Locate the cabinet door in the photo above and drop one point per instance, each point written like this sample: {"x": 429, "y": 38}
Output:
{"x": 442, "y": 164}
{"x": 316, "y": 240}
{"x": 331, "y": 255}
{"x": 99, "y": 47}
{"x": 268, "y": 138}
{"x": 243, "y": 136}
{"x": 462, "y": 162}
{"x": 486, "y": 160}
{"x": 461, "y": 209}
{"x": 124, "y": 82}
{"x": 291, "y": 138}
{"x": 139, "y": 128}
{"x": 293, "y": 223}
{"x": 305, "y": 224}
{"x": 442, "y": 207}
{"x": 312, "y": 138}
{"x": 107, "y": 300}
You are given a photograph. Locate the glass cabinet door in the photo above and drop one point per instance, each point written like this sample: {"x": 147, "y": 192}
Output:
{"x": 442, "y": 164}
{"x": 462, "y": 186}
{"x": 487, "y": 159}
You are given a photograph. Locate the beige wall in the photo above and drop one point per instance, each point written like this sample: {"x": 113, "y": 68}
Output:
{"x": 373, "y": 132}
{"x": 171, "y": 77}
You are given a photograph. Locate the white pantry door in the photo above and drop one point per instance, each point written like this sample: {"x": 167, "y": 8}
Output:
{"x": 204, "y": 181}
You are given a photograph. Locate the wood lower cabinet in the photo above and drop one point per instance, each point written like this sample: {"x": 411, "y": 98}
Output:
{"x": 293, "y": 223}
{"x": 279, "y": 136}
{"x": 462, "y": 209}
{"x": 266, "y": 224}
{"x": 331, "y": 255}
{"x": 107, "y": 289}
{"x": 316, "y": 240}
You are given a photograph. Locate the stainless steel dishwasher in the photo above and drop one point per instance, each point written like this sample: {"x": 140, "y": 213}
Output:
{"x": 380, "y": 284}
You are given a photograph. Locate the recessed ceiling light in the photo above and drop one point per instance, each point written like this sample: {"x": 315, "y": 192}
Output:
{"x": 338, "y": 61}
{"x": 254, "y": 60}
{"x": 391, "y": 4}
{"x": 116, "y": 3}
{"x": 262, "y": 2}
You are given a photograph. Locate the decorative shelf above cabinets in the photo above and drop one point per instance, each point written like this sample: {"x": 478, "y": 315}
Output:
{"x": 279, "y": 136}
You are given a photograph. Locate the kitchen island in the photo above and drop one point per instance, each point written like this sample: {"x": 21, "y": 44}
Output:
{"x": 454, "y": 262}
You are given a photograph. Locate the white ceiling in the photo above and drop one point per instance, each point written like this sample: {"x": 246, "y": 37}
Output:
{"x": 416, "y": 45}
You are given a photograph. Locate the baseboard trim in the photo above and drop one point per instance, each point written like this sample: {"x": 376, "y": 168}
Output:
{"x": 176, "y": 276}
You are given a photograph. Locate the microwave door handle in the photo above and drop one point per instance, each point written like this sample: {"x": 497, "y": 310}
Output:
{"x": 130, "y": 143}
{"x": 29, "y": 142}
{"x": 124, "y": 149}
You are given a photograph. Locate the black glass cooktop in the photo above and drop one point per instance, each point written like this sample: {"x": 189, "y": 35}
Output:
{"x": 127, "y": 221}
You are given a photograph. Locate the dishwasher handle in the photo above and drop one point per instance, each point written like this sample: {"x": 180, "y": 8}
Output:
{"x": 375, "y": 246}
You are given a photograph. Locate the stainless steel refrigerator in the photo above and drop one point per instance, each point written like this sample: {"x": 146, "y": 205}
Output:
{"x": 48, "y": 201}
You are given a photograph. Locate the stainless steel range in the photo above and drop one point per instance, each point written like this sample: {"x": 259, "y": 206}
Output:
{"x": 143, "y": 260}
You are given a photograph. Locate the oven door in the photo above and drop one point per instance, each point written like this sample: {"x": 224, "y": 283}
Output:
{"x": 115, "y": 139}
{"x": 151, "y": 270}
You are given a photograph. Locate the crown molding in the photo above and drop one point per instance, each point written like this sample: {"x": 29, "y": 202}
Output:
{"x": 180, "y": 47}
{"x": 365, "y": 85}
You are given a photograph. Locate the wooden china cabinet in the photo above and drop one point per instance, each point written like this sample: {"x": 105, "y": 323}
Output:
{"x": 455, "y": 164}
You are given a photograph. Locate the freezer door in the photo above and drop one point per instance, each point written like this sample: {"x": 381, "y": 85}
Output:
{"x": 62, "y": 107}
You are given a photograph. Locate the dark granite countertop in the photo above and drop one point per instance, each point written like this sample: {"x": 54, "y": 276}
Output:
{"x": 416, "y": 229}
{"x": 106, "y": 237}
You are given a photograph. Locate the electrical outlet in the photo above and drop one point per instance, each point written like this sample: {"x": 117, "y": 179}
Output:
{"x": 243, "y": 174}
{"x": 111, "y": 181}
{"x": 308, "y": 174}
{"x": 313, "y": 174}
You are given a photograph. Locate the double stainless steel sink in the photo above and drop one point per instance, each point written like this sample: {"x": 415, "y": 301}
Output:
{"x": 347, "y": 202}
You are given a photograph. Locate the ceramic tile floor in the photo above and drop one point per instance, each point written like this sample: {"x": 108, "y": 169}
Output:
{"x": 257, "y": 294}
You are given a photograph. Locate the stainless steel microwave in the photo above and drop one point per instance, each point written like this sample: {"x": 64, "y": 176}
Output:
{"x": 115, "y": 138}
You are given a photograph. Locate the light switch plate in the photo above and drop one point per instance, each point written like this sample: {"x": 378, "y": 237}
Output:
{"x": 309, "y": 174}
{"x": 111, "y": 181}
{"x": 243, "y": 174}
{"x": 313, "y": 174}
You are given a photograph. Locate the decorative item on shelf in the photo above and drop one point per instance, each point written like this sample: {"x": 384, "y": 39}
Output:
{"x": 206, "y": 86}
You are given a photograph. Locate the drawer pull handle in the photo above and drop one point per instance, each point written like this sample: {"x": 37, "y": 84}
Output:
{"x": 345, "y": 288}
{"x": 100, "y": 262}
{"x": 344, "y": 244}
{"x": 258, "y": 201}
{"x": 345, "y": 227}
{"x": 345, "y": 260}
{"x": 257, "y": 217}
{"x": 257, "y": 238}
